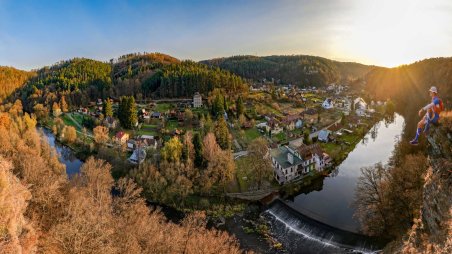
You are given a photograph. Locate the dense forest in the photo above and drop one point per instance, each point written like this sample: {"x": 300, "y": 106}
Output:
{"x": 298, "y": 70}
{"x": 409, "y": 84}
{"x": 152, "y": 75}
{"x": 12, "y": 79}
{"x": 42, "y": 211}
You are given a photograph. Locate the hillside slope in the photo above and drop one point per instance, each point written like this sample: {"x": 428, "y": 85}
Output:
{"x": 409, "y": 84}
{"x": 298, "y": 70}
{"x": 12, "y": 79}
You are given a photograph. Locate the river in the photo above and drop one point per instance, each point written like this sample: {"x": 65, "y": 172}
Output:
{"x": 321, "y": 220}
{"x": 65, "y": 154}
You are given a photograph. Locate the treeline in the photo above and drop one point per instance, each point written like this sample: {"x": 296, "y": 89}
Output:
{"x": 409, "y": 84}
{"x": 11, "y": 79}
{"x": 297, "y": 70}
{"x": 45, "y": 212}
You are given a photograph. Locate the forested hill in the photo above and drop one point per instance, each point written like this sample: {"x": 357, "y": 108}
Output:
{"x": 298, "y": 69}
{"x": 409, "y": 84}
{"x": 159, "y": 75}
{"x": 12, "y": 79}
{"x": 153, "y": 75}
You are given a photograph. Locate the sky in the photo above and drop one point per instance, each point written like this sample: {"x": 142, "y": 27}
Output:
{"x": 388, "y": 33}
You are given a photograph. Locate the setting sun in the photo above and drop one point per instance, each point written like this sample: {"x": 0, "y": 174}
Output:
{"x": 391, "y": 33}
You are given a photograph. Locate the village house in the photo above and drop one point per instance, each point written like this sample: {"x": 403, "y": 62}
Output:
{"x": 156, "y": 115}
{"x": 110, "y": 122}
{"x": 83, "y": 110}
{"x": 323, "y": 135}
{"x": 360, "y": 106}
{"x": 144, "y": 114}
{"x": 290, "y": 163}
{"x": 328, "y": 104}
{"x": 138, "y": 156}
{"x": 142, "y": 141}
{"x": 292, "y": 122}
{"x": 121, "y": 137}
{"x": 274, "y": 126}
{"x": 344, "y": 105}
{"x": 314, "y": 157}
{"x": 197, "y": 100}
{"x": 286, "y": 162}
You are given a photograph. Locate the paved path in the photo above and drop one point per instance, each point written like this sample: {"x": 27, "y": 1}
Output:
{"x": 73, "y": 120}
{"x": 252, "y": 195}
{"x": 240, "y": 154}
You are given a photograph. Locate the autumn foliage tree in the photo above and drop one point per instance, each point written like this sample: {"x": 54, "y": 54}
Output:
{"x": 388, "y": 198}
{"x": 80, "y": 215}
{"x": 100, "y": 135}
{"x": 70, "y": 134}
{"x": 260, "y": 164}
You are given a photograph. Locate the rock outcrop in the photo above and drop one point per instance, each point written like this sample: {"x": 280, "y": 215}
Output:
{"x": 432, "y": 230}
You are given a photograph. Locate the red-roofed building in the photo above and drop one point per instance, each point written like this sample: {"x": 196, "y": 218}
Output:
{"x": 121, "y": 137}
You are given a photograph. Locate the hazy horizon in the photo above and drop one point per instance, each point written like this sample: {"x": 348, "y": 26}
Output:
{"x": 383, "y": 33}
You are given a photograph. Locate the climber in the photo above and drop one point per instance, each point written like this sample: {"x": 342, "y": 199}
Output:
{"x": 431, "y": 116}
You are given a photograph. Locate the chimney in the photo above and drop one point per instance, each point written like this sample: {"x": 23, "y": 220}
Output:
{"x": 290, "y": 158}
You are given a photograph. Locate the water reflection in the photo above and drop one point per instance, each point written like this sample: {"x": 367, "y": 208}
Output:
{"x": 331, "y": 203}
{"x": 65, "y": 154}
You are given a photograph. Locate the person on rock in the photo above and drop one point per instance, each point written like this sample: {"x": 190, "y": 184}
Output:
{"x": 431, "y": 116}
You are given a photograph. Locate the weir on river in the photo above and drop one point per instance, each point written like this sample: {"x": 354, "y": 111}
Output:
{"x": 322, "y": 221}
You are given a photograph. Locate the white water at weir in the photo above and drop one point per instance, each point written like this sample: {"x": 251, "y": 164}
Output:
{"x": 300, "y": 234}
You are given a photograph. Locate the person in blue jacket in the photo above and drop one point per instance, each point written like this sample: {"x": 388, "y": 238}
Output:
{"x": 432, "y": 111}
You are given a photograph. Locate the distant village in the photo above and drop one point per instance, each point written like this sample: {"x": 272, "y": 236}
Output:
{"x": 308, "y": 129}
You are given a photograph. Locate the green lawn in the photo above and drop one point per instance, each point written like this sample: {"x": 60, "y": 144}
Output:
{"x": 172, "y": 124}
{"x": 162, "y": 107}
{"x": 69, "y": 122}
{"x": 280, "y": 137}
{"x": 147, "y": 132}
{"x": 251, "y": 134}
{"x": 242, "y": 164}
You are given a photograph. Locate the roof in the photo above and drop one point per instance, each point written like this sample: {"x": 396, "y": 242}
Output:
{"x": 323, "y": 134}
{"x": 120, "y": 134}
{"x": 280, "y": 155}
{"x": 306, "y": 151}
{"x": 335, "y": 127}
{"x": 291, "y": 118}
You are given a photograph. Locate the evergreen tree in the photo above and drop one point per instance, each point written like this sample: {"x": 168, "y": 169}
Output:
{"x": 240, "y": 107}
{"x": 197, "y": 143}
{"x": 218, "y": 106}
{"x": 108, "y": 108}
{"x": 132, "y": 112}
{"x": 222, "y": 134}
{"x": 127, "y": 112}
{"x": 121, "y": 110}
